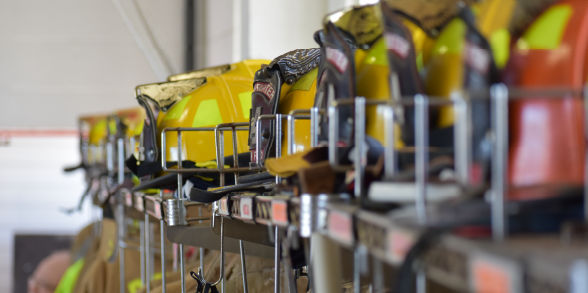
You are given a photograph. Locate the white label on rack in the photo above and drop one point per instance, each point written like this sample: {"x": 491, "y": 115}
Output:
{"x": 139, "y": 203}
{"x": 223, "y": 206}
{"x": 129, "y": 199}
{"x": 157, "y": 207}
{"x": 399, "y": 243}
{"x": 246, "y": 208}
{"x": 280, "y": 212}
{"x": 340, "y": 227}
{"x": 491, "y": 273}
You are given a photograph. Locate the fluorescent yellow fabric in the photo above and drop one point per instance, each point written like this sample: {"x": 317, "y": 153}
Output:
{"x": 546, "y": 32}
{"x": 68, "y": 281}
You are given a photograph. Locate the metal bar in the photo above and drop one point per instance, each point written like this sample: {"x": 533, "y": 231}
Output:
{"x": 257, "y": 142}
{"x": 243, "y": 267}
{"x": 148, "y": 252}
{"x": 378, "y": 275}
{"x": 290, "y": 134}
{"x": 390, "y": 136}
{"x": 215, "y": 170}
{"x": 222, "y": 253}
{"x": 180, "y": 196}
{"x": 360, "y": 150}
{"x": 235, "y": 156}
{"x": 421, "y": 281}
{"x": 462, "y": 139}
{"x": 278, "y": 140}
{"x": 499, "y": 94}
{"x": 201, "y": 250}
{"x": 162, "y": 246}
{"x": 314, "y": 126}
{"x": 356, "y": 270}
{"x": 277, "y": 260}
{"x": 333, "y": 134}
{"x": 121, "y": 207}
{"x": 143, "y": 253}
{"x": 221, "y": 159}
{"x": 421, "y": 156}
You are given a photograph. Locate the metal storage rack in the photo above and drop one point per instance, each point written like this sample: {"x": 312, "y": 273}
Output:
{"x": 261, "y": 225}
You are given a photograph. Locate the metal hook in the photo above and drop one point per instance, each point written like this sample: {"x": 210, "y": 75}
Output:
{"x": 222, "y": 258}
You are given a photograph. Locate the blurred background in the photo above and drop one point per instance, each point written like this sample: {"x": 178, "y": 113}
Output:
{"x": 64, "y": 58}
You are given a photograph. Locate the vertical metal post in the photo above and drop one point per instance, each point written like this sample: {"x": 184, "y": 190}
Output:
{"x": 356, "y": 270}
{"x": 121, "y": 207}
{"x": 147, "y": 240}
{"x": 422, "y": 155}
{"x": 180, "y": 197}
{"x": 142, "y": 252}
{"x": 314, "y": 126}
{"x": 290, "y": 134}
{"x": 162, "y": 247}
{"x": 378, "y": 273}
{"x": 462, "y": 138}
{"x": 390, "y": 136}
{"x": 257, "y": 142}
{"x": 421, "y": 281}
{"x": 499, "y": 95}
{"x": 277, "y": 260}
{"x": 360, "y": 151}
{"x": 109, "y": 157}
{"x": 201, "y": 250}
{"x": 235, "y": 154}
{"x": 243, "y": 266}
{"x": 333, "y": 134}
{"x": 278, "y": 140}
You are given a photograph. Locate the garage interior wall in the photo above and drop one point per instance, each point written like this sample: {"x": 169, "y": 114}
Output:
{"x": 64, "y": 58}
{"x": 61, "y": 59}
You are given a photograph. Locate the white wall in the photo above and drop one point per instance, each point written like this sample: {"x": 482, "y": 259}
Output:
{"x": 276, "y": 27}
{"x": 33, "y": 190}
{"x": 61, "y": 58}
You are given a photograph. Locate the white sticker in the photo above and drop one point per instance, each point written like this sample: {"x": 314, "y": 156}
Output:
{"x": 338, "y": 59}
{"x": 398, "y": 45}
{"x": 246, "y": 208}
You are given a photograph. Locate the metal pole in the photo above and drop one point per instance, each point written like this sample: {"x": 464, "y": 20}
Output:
{"x": 356, "y": 270}
{"x": 277, "y": 260}
{"x": 462, "y": 139}
{"x": 235, "y": 155}
{"x": 257, "y": 142}
{"x": 421, "y": 159}
{"x": 390, "y": 151}
{"x": 360, "y": 151}
{"x": 121, "y": 207}
{"x": 421, "y": 281}
{"x": 180, "y": 197}
{"x": 378, "y": 275}
{"x": 147, "y": 252}
{"x": 314, "y": 126}
{"x": 499, "y": 94}
{"x": 278, "y": 140}
{"x": 333, "y": 134}
{"x": 290, "y": 134}
{"x": 143, "y": 253}
{"x": 243, "y": 266}
{"x": 162, "y": 247}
